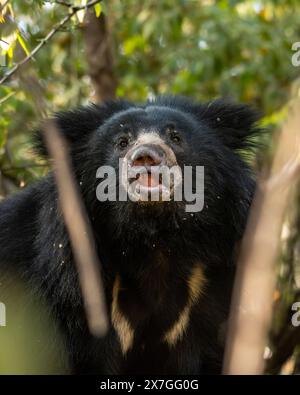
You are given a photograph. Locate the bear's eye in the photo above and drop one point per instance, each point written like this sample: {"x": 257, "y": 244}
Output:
{"x": 175, "y": 137}
{"x": 173, "y": 134}
{"x": 123, "y": 142}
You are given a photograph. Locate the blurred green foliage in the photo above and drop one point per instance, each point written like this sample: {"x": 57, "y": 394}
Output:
{"x": 30, "y": 342}
{"x": 207, "y": 48}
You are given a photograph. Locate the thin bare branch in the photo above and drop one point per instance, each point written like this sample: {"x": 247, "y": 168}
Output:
{"x": 9, "y": 95}
{"x": 251, "y": 309}
{"x": 4, "y": 5}
{"x": 79, "y": 231}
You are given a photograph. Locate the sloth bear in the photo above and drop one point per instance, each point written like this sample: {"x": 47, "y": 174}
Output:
{"x": 168, "y": 272}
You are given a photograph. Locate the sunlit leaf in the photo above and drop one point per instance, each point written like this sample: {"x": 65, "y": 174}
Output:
{"x": 10, "y": 51}
{"x": 98, "y": 9}
{"x": 22, "y": 43}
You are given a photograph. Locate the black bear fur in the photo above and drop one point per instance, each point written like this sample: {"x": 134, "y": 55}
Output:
{"x": 152, "y": 249}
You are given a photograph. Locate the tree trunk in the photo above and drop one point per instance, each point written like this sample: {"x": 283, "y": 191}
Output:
{"x": 99, "y": 56}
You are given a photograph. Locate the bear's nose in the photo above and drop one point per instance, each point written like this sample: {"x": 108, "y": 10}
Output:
{"x": 147, "y": 156}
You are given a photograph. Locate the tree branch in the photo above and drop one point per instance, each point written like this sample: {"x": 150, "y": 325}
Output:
{"x": 79, "y": 230}
{"x": 4, "y": 5}
{"x": 251, "y": 308}
{"x": 73, "y": 11}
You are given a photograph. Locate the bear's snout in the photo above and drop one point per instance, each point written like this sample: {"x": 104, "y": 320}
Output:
{"x": 148, "y": 155}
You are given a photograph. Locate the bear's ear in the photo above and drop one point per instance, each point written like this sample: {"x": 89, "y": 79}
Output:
{"x": 77, "y": 125}
{"x": 235, "y": 124}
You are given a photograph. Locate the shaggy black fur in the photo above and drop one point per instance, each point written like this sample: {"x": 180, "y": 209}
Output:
{"x": 151, "y": 247}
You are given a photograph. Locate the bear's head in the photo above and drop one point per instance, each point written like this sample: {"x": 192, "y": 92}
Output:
{"x": 167, "y": 164}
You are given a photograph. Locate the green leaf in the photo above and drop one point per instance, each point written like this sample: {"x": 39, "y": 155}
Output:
{"x": 22, "y": 43}
{"x": 133, "y": 44}
{"x": 10, "y": 51}
{"x": 3, "y": 132}
{"x": 98, "y": 9}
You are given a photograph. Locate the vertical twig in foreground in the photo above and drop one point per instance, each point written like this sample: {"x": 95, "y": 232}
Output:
{"x": 251, "y": 308}
{"x": 79, "y": 231}
{"x": 75, "y": 217}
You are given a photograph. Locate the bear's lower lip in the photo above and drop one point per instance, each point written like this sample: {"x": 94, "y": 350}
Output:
{"x": 151, "y": 189}
{"x": 148, "y": 177}
{"x": 149, "y": 184}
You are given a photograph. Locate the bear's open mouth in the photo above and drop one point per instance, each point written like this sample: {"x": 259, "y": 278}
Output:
{"x": 148, "y": 173}
{"x": 149, "y": 182}
{"x": 147, "y": 177}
